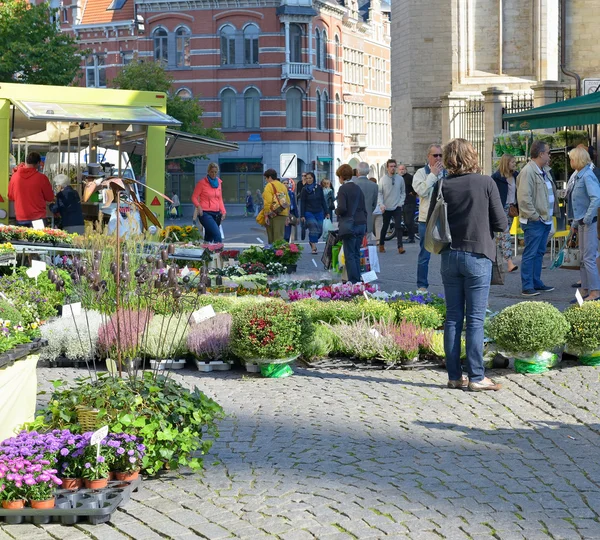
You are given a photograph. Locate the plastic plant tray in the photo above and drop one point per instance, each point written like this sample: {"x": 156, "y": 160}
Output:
{"x": 92, "y": 505}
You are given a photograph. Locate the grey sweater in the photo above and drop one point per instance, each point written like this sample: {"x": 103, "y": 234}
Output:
{"x": 392, "y": 191}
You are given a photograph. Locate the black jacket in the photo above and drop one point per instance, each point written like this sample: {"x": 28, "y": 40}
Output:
{"x": 411, "y": 194}
{"x": 475, "y": 212}
{"x": 68, "y": 205}
{"x": 502, "y": 184}
{"x": 313, "y": 202}
{"x": 351, "y": 204}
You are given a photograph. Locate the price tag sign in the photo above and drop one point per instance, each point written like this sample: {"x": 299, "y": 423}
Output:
{"x": 367, "y": 277}
{"x": 203, "y": 314}
{"x": 71, "y": 310}
{"x": 97, "y": 437}
{"x": 579, "y": 298}
{"x": 250, "y": 285}
{"x": 185, "y": 271}
{"x": 38, "y": 224}
{"x": 33, "y": 273}
{"x": 38, "y": 265}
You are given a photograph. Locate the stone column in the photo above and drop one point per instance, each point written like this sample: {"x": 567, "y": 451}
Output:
{"x": 287, "y": 42}
{"x": 545, "y": 92}
{"x": 310, "y": 43}
{"x": 492, "y": 124}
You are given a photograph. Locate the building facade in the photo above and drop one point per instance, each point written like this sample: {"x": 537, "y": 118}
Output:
{"x": 310, "y": 77}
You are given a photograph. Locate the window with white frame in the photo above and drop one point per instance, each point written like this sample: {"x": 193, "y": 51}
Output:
{"x": 353, "y": 66}
{"x": 324, "y": 50}
{"x": 184, "y": 93}
{"x": 378, "y": 127}
{"x": 337, "y": 53}
{"x": 295, "y": 43}
{"x": 228, "y": 109}
{"x": 354, "y": 116}
{"x": 325, "y": 111}
{"x": 318, "y": 48}
{"x": 126, "y": 57}
{"x": 227, "y": 45}
{"x": 293, "y": 108}
{"x": 161, "y": 45}
{"x": 251, "y": 33}
{"x": 319, "y": 113}
{"x": 182, "y": 41}
{"x": 252, "y": 108}
{"x": 95, "y": 71}
{"x": 338, "y": 113}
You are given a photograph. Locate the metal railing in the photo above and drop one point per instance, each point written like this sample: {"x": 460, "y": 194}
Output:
{"x": 467, "y": 121}
{"x": 297, "y": 70}
{"x": 516, "y": 103}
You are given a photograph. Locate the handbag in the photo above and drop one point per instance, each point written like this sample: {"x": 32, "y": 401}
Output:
{"x": 346, "y": 227}
{"x": 497, "y": 269}
{"x": 437, "y": 234}
{"x": 260, "y": 218}
{"x": 279, "y": 204}
{"x": 293, "y": 220}
{"x": 513, "y": 211}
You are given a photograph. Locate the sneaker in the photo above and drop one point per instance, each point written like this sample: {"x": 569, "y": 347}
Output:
{"x": 381, "y": 249}
{"x": 422, "y": 290}
{"x": 481, "y": 386}
{"x": 544, "y": 288}
{"x": 530, "y": 292}
{"x": 460, "y": 384}
{"x": 401, "y": 251}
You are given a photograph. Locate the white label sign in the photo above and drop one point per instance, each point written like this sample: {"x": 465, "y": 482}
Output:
{"x": 185, "y": 271}
{"x": 38, "y": 265}
{"x": 97, "y": 436}
{"x": 203, "y": 314}
{"x": 38, "y": 224}
{"x": 71, "y": 310}
{"x": 579, "y": 298}
{"x": 367, "y": 277}
{"x": 288, "y": 165}
{"x": 33, "y": 273}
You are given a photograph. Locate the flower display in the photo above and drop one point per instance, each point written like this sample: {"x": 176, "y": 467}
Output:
{"x": 176, "y": 233}
{"x": 11, "y": 233}
{"x": 126, "y": 452}
{"x": 336, "y": 291}
{"x": 7, "y": 249}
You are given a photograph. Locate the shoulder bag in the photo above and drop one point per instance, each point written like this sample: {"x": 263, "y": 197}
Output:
{"x": 279, "y": 203}
{"x": 497, "y": 268}
{"x": 437, "y": 234}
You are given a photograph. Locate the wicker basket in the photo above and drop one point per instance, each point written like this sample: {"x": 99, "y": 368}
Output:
{"x": 88, "y": 418}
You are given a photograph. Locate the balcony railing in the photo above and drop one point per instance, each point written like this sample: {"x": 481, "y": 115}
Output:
{"x": 296, "y": 70}
{"x": 358, "y": 141}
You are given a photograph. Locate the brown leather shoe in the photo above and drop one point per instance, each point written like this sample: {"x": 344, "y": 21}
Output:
{"x": 401, "y": 251}
{"x": 381, "y": 249}
{"x": 460, "y": 384}
{"x": 484, "y": 385}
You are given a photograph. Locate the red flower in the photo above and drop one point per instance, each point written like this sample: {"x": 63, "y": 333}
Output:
{"x": 279, "y": 253}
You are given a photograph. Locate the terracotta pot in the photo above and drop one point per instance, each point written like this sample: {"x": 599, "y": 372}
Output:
{"x": 96, "y": 484}
{"x": 42, "y": 505}
{"x": 72, "y": 483}
{"x": 111, "y": 476}
{"x": 13, "y": 505}
{"x": 127, "y": 476}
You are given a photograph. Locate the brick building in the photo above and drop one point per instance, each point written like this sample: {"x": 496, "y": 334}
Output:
{"x": 310, "y": 77}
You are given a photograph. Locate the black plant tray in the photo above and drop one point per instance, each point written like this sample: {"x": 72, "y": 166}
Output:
{"x": 92, "y": 505}
{"x": 20, "y": 351}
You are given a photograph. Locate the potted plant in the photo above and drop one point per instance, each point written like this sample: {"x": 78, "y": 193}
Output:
{"x": 70, "y": 460}
{"x": 12, "y": 486}
{"x": 583, "y": 338}
{"x": 209, "y": 342}
{"x": 41, "y": 482}
{"x": 165, "y": 338}
{"x": 409, "y": 340}
{"x": 530, "y": 331}
{"x": 287, "y": 254}
{"x": 95, "y": 469}
{"x": 266, "y": 333}
{"x": 127, "y": 455}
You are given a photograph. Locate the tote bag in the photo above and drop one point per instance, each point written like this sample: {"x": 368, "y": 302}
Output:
{"x": 437, "y": 234}
{"x": 497, "y": 269}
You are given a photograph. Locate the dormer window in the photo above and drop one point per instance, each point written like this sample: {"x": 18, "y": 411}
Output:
{"x": 116, "y": 4}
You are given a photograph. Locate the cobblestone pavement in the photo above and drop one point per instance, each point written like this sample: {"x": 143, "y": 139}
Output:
{"x": 371, "y": 454}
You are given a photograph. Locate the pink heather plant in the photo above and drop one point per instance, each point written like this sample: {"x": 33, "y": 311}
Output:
{"x": 131, "y": 327}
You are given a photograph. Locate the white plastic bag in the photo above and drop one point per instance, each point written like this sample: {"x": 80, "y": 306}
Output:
{"x": 222, "y": 233}
{"x": 327, "y": 226}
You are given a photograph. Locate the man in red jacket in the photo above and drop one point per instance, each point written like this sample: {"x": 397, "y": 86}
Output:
{"x": 30, "y": 190}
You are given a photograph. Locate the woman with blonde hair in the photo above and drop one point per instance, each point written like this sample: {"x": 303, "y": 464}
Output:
{"x": 506, "y": 182}
{"x": 585, "y": 200}
{"x": 475, "y": 212}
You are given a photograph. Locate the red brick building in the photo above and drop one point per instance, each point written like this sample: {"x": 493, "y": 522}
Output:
{"x": 309, "y": 77}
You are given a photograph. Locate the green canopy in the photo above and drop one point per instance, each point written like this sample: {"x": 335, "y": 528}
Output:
{"x": 579, "y": 111}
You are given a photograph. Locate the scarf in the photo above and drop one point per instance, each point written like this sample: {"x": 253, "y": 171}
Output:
{"x": 310, "y": 187}
{"x": 214, "y": 182}
{"x": 327, "y": 191}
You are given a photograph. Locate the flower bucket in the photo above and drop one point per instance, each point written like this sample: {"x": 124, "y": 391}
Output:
{"x": 72, "y": 483}
{"x": 536, "y": 363}
{"x": 127, "y": 476}
{"x": 99, "y": 483}
{"x": 590, "y": 358}
{"x": 42, "y": 505}
{"x": 13, "y": 505}
{"x": 276, "y": 371}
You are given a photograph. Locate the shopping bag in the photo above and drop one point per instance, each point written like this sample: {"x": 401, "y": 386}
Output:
{"x": 328, "y": 257}
{"x": 497, "y": 269}
{"x": 341, "y": 258}
{"x": 335, "y": 257}
{"x": 437, "y": 234}
{"x": 365, "y": 265}
{"x": 374, "y": 259}
{"x": 327, "y": 227}
{"x": 572, "y": 258}
{"x": 222, "y": 233}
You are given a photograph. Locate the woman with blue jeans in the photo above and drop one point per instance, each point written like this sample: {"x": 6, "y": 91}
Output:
{"x": 475, "y": 213}
{"x": 208, "y": 201}
{"x": 313, "y": 210}
{"x": 585, "y": 199}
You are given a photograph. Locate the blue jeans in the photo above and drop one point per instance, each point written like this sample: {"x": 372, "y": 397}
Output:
{"x": 314, "y": 224}
{"x": 212, "y": 233}
{"x": 352, "y": 246}
{"x": 466, "y": 277}
{"x": 536, "y": 238}
{"x": 423, "y": 260}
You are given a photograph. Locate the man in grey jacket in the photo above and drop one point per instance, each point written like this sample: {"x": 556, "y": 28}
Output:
{"x": 369, "y": 190}
{"x": 392, "y": 193}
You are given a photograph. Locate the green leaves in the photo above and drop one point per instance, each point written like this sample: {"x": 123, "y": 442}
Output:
{"x": 584, "y": 335}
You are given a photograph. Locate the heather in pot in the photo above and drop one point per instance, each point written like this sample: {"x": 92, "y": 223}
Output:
{"x": 210, "y": 339}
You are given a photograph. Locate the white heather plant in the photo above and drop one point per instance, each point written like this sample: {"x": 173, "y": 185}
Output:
{"x": 166, "y": 336}
{"x": 65, "y": 341}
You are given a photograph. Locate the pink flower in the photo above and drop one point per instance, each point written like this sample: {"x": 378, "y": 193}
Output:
{"x": 293, "y": 248}
{"x": 279, "y": 253}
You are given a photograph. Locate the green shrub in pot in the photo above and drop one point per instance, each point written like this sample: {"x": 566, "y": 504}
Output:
{"x": 421, "y": 315}
{"x": 583, "y": 337}
{"x": 529, "y": 327}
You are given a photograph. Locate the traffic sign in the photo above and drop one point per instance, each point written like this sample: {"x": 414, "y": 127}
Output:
{"x": 590, "y": 86}
{"x": 288, "y": 165}
{"x": 155, "y": 202}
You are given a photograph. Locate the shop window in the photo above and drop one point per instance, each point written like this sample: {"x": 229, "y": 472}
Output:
{"x": 252, "y": 108}
{"x": 228, "y": 109}
{"x": 182, "y": 39}
{"x": 251, "y": 44}
{"x": 227, "y": 45}
{"x": 293, "y": 108}
{"x": 161, "y": 45}
{"x": 95, "y": 71}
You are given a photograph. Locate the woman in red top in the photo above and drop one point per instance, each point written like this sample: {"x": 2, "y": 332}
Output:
{"x": 208, "y": 200}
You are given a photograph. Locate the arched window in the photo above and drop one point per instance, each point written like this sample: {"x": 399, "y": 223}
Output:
{"x": 182, "y": 39}
{"x": 318, "y": 47}
{"x": 336, "y": 65}
{"x": 184, "y": 93}
{"x": 293, "y": 109}
{"x": 251, "y": 44}
{"x": 295, "y": 43}
{"x": 338, "y": 113}
{"x": 325, "y": 113}
{"x": 161, "y": 45}
{"x": 324, "y": 51}
{"x": 228, "y": 115}
{"x": 227, "y": 45}
{"x": 252, "y": 108}
{"x": 319, "y": 115}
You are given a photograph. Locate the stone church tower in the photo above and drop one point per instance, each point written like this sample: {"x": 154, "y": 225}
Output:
{"x": 447, "y": 51}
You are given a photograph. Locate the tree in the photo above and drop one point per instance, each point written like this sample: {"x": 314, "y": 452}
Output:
{"x": 152, "y": 76}
{"x": 33, "y": 50}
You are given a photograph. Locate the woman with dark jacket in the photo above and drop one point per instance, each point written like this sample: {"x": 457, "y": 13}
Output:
{"x": 506, "y": 181}
{"x": 352, "y": 216}
{"x": 68, "y": 205}
{"x": 290, "y": 222}
{"x": 313, "y": 209}
{"x": 475, "y": 212}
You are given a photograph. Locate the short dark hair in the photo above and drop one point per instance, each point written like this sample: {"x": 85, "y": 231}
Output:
{"x": 33, "y": 158}
{"x": 309, "y": 173}
{"x": 344, "y": 172}
{"x": 391, "y": 160}
{"x": 271, "y": 173}
{"x": 537, "y": 148}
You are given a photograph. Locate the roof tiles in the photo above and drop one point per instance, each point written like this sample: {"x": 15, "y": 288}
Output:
{"x": 95, "y": 12}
